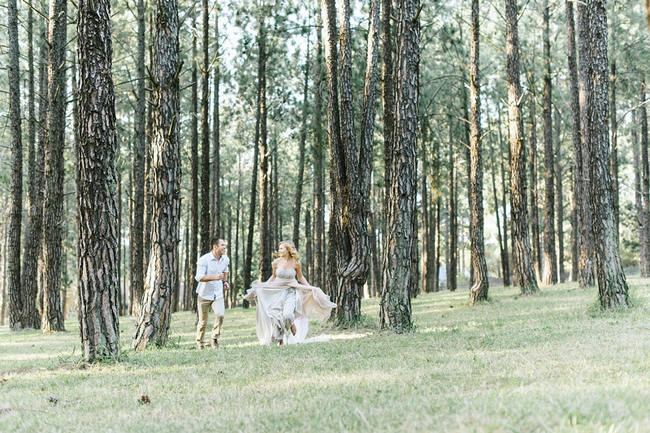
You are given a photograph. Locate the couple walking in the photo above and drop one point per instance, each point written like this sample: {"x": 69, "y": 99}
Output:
{"x": 285, "y": 302}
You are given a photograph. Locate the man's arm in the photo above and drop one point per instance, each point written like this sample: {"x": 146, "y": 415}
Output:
{"x": 202, "y": 270}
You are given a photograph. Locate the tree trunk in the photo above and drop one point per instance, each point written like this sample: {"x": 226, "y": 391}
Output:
{"x": 16, "y": 299}
{"x": 586, "y": 245}
{"x": 613, "y": 162}
{"x": 521, "y": 245}
{"x": 479, "y": 288}
{"x": 216, "y": 139}
{"x": 137, "y": 232}
{"x": 644, "y": 264}
{"x": 319, "y": 175}
{"x": 612, "y": 287}
{"x": 265, "y": 250}
{"x": 54, "y": 172}
{"x": 97, "y": 211}
{"x": 534, "y": 209}
{"x": 388, "y": 91}
{"x": 502, "y": 251}
{"x": 549, "y": 262}
{"x": 205, "y": 134}
{"x": 452, "y": 256}
{"x": 396, "y": 302}
{"x": 301, "y": 162}
{"x": 641, "y": 218}
{"x": 309, "y": 254}
{"x": 506, "y": 256}
{"x": 162, "y": 279}
{"x": 559, "y": 199}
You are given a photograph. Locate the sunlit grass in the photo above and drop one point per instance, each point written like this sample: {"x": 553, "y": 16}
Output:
{"x": 550, "y": 362}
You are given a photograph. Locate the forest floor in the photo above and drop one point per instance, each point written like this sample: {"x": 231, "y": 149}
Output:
{"x": 549, "y": 362}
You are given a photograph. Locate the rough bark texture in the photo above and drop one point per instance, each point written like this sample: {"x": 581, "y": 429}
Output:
{"x": 162, "y": 278}
{"x": 137, "y": 221}
{"x": 506, "y": 256}
{"x": 97, "y": 213}
{"x": 613, "y": 160}
{"x": 194, "y": 183}
{"x": 638, "y": 198}
{"x": 301, "y": 162}
{"x": 53, "y": 209}
{"x": 549, "y": 259}
{"x": 265, "y": 228}
{"x": 502, "y": 251}
{"x": 16, "y": 183}
{"x": 479, "y": 289}
{"x": 388, "y": 91}
{"x": 586, "y": 240}
{"x": 612, "y": 287}
{"x": 520, "y": 242}
{"x": 559, "y": 200}
{"x": 395, "y": 301}
{"x": 319, "y": 175}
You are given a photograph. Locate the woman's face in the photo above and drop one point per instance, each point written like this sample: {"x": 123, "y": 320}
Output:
{"x": 282, "y": 249}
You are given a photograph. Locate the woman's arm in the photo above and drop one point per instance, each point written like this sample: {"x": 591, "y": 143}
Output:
{"x": 272, "y": 277}
{"x": 299, "y": 276}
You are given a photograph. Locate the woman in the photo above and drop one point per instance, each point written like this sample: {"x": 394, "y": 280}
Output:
{"x": 286, "y": 301}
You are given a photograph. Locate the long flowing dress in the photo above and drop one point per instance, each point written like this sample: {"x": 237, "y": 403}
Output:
{"x": 283, "y": 302}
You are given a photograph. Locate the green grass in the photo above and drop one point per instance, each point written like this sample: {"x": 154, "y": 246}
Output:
{"x": 550, "y": 362}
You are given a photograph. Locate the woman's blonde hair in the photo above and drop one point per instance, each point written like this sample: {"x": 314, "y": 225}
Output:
{"x": 291, "y": 251}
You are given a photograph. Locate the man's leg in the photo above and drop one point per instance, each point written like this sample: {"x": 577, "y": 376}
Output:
{"x": 219, "y": 309}
{"x": 203, "y": 306}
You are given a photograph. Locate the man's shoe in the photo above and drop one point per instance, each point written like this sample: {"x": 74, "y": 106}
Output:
{"x": 293, "y": 329}
{"x": 199, "y": 346}
{"x": 214, "y": 343}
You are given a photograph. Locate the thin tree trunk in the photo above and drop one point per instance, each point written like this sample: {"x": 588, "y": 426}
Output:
{"x": 506, "y": 257}
{"x": 586, "y": 245}
{"x": 559, "y": 199}
{"x": 194, "y": 177}
{"x": 521, "y": 245}
{"x": 16, "y": 319}
{"x": 97, "y": 210}
{"x": 309, "y": 253}
{"x": 534, "y": 209}
{"x": 502, "y": 251}
{"x": 216, "y": 139}
{"x": 265, "y": 249}
{"x": 319, "y": 181}
{"x": 549, "y": 262}
{"x": 613, "y": 163}
{"x": 53, "y": 208}
{"x": 301, "y": 154}
{"x": 205, "y": 133}
{"x": 644, "y": 265}
{"x": 188, "y": 284}
{"x": 479, "y": 288}
{"x": 612, "y": 287}
{"x": 452, "y": 256}
{"x": 162, "y": 278}
{"x": 641, "y": 219}
{"x": 137, "y": 232}
{"x": 396, "y": 302}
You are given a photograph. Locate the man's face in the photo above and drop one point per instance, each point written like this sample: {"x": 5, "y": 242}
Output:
{"x": 220, "y": 248}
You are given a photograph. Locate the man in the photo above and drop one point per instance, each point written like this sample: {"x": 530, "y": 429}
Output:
{"x": 212, "y": 275}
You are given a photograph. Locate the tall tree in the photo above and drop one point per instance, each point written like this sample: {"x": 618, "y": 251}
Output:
{"x": 205, "y": 131}
{"x": 644, "y": 221}
{"x": 265, "y": 250}
{"x": 479, "y": 290}
{"x": 388, "y": 92}
{"x": 506, "y": 256}
{"x": 137, "y": 221}
{"x": 612, "y": 287}
{"x": 317, "y": 158}
{"x": 350, "y": 164}
{"x": 395, "y": 301}
{"x": 534, "y": 208}
{"x": 301, "y": 153}
{"x": 452, "y": 242}
{"x": 16, "y": 187}
{"x": 549, "y": 261}
{"x": 216, "y": 131}
{"x": 586, "y": 243}
{"x": 162, "y": 278}
{"x": 520, "y": 242}
{"x": 559, "y": 202}
{"x": 97, "y": 213}
{"x": 53, "y": 210}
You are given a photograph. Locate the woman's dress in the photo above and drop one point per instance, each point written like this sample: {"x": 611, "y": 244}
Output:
{"x": 284, "y": 301}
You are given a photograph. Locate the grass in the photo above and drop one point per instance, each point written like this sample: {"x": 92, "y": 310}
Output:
{"x": 549, "y": 362}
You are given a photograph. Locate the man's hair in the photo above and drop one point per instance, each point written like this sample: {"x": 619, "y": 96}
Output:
{"x": 215, "y": 241}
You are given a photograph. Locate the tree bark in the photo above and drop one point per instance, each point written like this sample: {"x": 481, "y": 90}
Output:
{"x": 521, "y": 245}
{"x": 506, "y": 257}
{"x": 137, "y": 233}
{"x": 534, "y": 209}
{"x": 388, "y": 91}
{"x": 586, "y": 245}
{"x": 16, "y": 299}
{"x": 205, "y": 133}
{"x": 612, "y": 287}
{"x": 162, "y": 278}
{"x": 97, "y": 210}
{"x": 452, "y": 256}
{"x": 549, "y": 262}
{"x": 319, "y": 175}
{"x": 479, "y": 288}
{"x": 641, "y": 218}
{"x": 613, "y": 162}
{"x": 502, "y": 250}
{"x": 644, "y": 264}
{"x": 559, "y": 199}
{"x": 396, "y": 302}
{"x": 54, "y": 172}
{"x": 216, "y": 226}
{"x": 301, "y": 155}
